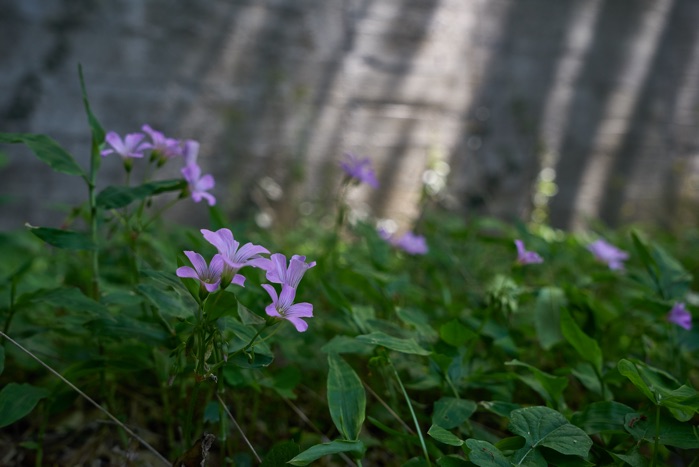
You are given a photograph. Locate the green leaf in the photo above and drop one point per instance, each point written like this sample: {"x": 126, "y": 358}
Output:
{"x": 325, "y": 449}
{"x": 633, "y": 457}
{"x": 280, "y": 454}
{"x": 661, "y": 388}
{"x": 456, "y": 334}
{"x": 452, "y": 461}
{"x": 670, "y": 433}
{"x": 444, "y": 436}
{"x": 220, "y": 304}
{"x": 484, "y": 454}
{"x": 408, "y": 346}
{"x": 667, "y": 276}
{"x": 47, "y": 150}
{"x": 249, "y": 318}
{"x": 548, "y": 386}
{"x": 18, "y": 400}
{"x": 605, "y": 416}
{"x": 542, "y": 426}
{"x": 547, "y": 316}
{"x": 346, "y": 344}
{"x": 71, "y": 299}
{"x": 586, "y": 346}
{"x": 450, "y": 412}
{"x": 66, "y": 239}
{"x": 504, "y": 409}
{"x": 166, "y": 301}
{"x": 252, "y": 360}
{"x": 2, "y": 359}
{"x": 346, "y": 398}
{"x": 114, "y": 197}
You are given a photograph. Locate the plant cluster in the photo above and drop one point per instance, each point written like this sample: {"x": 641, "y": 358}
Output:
{"x": 132, "y": 341}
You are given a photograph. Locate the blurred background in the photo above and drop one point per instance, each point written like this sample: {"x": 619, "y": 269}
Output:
{"x": 559, "y": 111}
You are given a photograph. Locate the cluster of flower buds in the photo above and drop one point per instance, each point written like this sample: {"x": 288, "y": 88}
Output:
{"x": 223, "y": 268}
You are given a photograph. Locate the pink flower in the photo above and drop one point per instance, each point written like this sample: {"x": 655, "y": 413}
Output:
{"x": 209, "y": 275}
{"x": 359, "y": 169}
{"x": 132, "y": 146}
{"x": 279, "y": 273}
{"x": 198, "y": 185}
{"x": 235, "y": 258}
{"x": 526, "y": 257}
{"x": 608, "y": 253}
{"x": 162, "y": 147}
{"x": 283, "y": 307}
{"x": 680, "y": 316}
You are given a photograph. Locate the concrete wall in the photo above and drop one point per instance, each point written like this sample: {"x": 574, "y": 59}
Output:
{"x": 593, "y": 100}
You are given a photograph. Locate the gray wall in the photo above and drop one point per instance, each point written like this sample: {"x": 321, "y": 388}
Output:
{"x": 520, "y": 99}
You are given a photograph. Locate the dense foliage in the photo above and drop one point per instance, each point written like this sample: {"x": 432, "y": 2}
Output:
{"x": 457, "y": 346}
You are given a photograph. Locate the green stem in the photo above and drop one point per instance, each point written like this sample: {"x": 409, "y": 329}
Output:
{"x": 10, "y": 309}
{"x": 656, "y": 443}
{"x": 189, "y": 421}
{"x": 95, "y": 288}
{"x": 412, "y": 413}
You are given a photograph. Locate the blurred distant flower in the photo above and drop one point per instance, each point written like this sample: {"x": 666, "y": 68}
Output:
{"x": 526, "y": 257}
{"x": 162, "y": 147}
{"x": 208, "y": 275}
{"x": 359, "y": 169}
{"x": 198, "y": 185}
{"x": 190, "y": 151}
{"x": 608, "y": 253}
{"x": 279, "y": 273}
{"x": 132, "y": 146}
{"x": 234, "y": 258}
{"x": 411, "y": 243}
{"x": 283, "y": 306}
{"x": 680, "y": 316}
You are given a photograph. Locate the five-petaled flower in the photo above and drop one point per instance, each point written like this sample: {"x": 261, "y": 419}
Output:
{"x": 198, "y": 184}
{"x": 132, "y": 146}
{"x": 608, "y": 253}
{"x": 526, "y": 257}
{"x": 359, "y": 169}
{"x": 411, "y": 243}
{"x": 283, "y": 306}
{"x": 235, "y": 258}
{"x": 162, "y": 147}
{"x": 279, "y": 273}
{"x": 680, "y": 316}
{"x": 209, "y": 275}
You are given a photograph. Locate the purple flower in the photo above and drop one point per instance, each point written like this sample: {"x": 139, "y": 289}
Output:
{"x": 359, "y": 169}
{"x": 609, "y": 254}
{"x": 411, "y": 243}
{"x": 208, "y": 275}
{"x": 235, "y": 258}
{"x": 132, "y": 146}
{"x": 680, "y": 316}
{"x": 283, "y": 306}
{"x": 162, "y": 147}
{"x": 199, "y": 185}
{"x": 190, "y": 151}
{"x": 526, "y": 257}
{"x": 279, "y": 273}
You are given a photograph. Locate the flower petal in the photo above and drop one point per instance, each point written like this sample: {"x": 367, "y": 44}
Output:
{"x": 186, "y": 271}
{"x": 198, "y": 262}
{"x": 238, "y": 280}
{"x": 298, "y": 323}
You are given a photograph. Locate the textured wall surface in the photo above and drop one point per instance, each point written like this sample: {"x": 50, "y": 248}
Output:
{"x": 575, "y": 108}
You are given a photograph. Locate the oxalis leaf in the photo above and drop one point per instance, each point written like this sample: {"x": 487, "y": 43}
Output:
{"x": 542, "y": 426}
{"x": 450, "y": 412}
{"x": 18, "y": 400}
{"x": 66, "y": 239}
{"x": 587, "y": 347}
{"x": 325, "y": 449}
{"x": 346, "y": 397}
{"x": 114, "y": 197}
{"x": 408, "y": 346}
{"x": 484, "y": 454}
{"x": 47, "y": 150}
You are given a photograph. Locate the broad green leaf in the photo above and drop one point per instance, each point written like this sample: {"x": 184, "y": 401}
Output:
{"x": 47, "y": 150}
{"x": 166, "y": 301}
{"x": 456, "y": 334}
{"x": 586, "y": 346}
{"x": 249, "y": 318}
{"x": 346, "y": 344}
{"x": 550, "y": 387}
{"x": 114, "y": 197}
{"x": 408, "y": 346}
{"x": 18, "y": 400}
{"x": 504, "y": 409}
{"x": 280, "y": 454}
{"x": 66, "y": 239}
{"x": 420, "y": 320}
{"x": 2, "y": 359}
{"x": 633, "y": 457}
{"x": 542, "y": 426}
{"x": 325, "y": 449}
{"x": 605, "y": 416}
{"x": 547, "y": 316}
{"x": 452, "y": 461}
{"x": 444, "y": 436}
{"x": 251, "y": 360}
{"x": 671, "y": 432}
{"x": 220, "y": 304}
{"x": 71, "y": 299}
{"x": 661, "y": 388}
{"x": 484, "y": 454}
{"x": 450, "y": 412}
{"x": 346, "y": 398}
{"x": 667, "y": 276}
{"x": 123, "y": 327}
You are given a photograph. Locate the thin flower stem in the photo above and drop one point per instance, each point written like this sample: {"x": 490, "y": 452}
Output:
{"x": 189, "y": 421}
{"x": 656, "y": 443}
{"x": 90, "y": 400}
{"x": 230, "y": 415}
{"x": 388, "y": 408}
{"x": 412, "y": 413}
